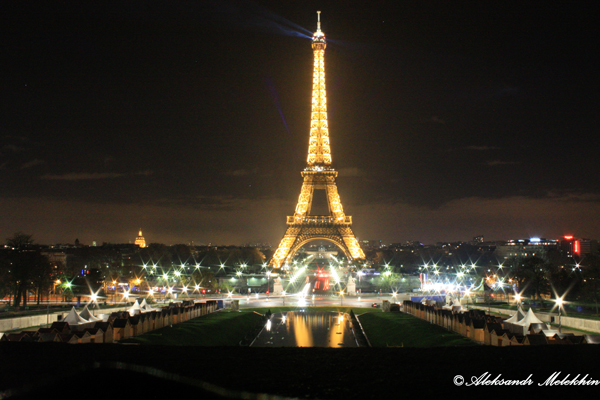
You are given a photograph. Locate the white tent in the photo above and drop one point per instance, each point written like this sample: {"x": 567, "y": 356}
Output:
{"x": 73, "y": 318}
{"x": 145, "y": 306}
{"x": 479, "y": 288}
{"x": 86, "y": 314}
{"x": 510, "y": 322}
{"x": 457, "y": 307}
{"x": 521, "y": 327}
{"x": 449, "y": 304}
{"x": 530, "y": 318}
{"x": 549, "y": 332}
{"x": 135, "y": 309}
{"x": 516, "y": 316}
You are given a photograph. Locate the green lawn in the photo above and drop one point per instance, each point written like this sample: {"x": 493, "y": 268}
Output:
{"x": 227, "y": 328}
{"x": 223, "y": 328}
{"x": 399, "y": 329}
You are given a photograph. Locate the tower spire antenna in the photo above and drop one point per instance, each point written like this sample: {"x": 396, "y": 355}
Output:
{"x": 319, "y": 21}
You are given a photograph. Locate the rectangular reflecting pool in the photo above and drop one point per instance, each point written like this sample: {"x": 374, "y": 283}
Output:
{"x": 307, "y": 329}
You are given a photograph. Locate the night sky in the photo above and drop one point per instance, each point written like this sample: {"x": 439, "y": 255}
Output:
{"x": 190, "y": 120}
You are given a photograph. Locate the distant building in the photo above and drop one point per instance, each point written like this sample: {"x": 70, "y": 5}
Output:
{"x": 406, "y": 246}
{"x": 573, "y": 246}
{"x": 589, "y": 246}
{"x": 371, "y": 244}
{"x": 323, "y": 253}
{"x": 570, "y": 246}
{"x": 521, "y": 248}
{"x": 140, "y": 241}
{"x": 477, "y": 240}
{"x": 57, "y": 259}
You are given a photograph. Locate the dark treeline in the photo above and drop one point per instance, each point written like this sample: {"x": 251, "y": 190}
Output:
{"x": 23, "y": 269}
{"x": 30, "y": 270}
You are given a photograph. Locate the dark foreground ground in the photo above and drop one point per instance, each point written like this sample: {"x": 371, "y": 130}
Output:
{"x": 155, "y": 372}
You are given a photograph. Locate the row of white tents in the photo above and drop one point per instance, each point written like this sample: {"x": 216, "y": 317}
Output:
{"x": 519, "y": 323}
{"x": 522, "y": 324}
{"x": 455, "y": 307}
{"x": 86, "y": 317}
{"x": 140, "y": 308}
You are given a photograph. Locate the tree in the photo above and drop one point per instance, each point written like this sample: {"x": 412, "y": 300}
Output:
{"x": 533, "y": 277}
{"x": 390, "y": 281}
{"x": 24, "y": 268}
{"x": 20, "y": 241}
{"x": 209, "y": 281}
{"x": 591, "y": 279}
{"x": 181, "y": 253}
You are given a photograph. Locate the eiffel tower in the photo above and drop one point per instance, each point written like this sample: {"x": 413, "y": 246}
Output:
{"x": 303, "y": 227}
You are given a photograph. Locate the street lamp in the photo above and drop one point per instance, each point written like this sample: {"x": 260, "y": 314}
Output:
{"x": 468, "y": 295}
{"x": 559, "y": 303}
{"x": 268, "y": 276}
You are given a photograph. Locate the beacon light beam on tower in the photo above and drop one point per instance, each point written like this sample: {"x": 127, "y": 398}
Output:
{"x": 303, "y": 227}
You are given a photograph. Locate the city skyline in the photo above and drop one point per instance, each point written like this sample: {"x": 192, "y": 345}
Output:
{"x": 191, "y": 121}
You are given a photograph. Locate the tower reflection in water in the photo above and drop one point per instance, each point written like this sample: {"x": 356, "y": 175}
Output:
{"x": 307, "y": 329}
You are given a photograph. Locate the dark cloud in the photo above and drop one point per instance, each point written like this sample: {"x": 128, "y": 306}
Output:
{"x": 219, "y": 221}
{"x": 13, "y": 148}
{"x": 82, "y": 176}
{"x": 242, "y": 172}
{"x": 494, "y": 163}
{"x": 351, "y": 172}
{"x": 32, "y": 163}
{"x": 227, "y": 220}
{"x": 495, "y": 218}
{"x": 482, "y": 148}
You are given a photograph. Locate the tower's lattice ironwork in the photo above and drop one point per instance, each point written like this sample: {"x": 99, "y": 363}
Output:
{"x": 303, "y": 227}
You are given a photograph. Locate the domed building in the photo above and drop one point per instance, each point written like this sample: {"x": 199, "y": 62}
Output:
{"x": 140, "y": 241}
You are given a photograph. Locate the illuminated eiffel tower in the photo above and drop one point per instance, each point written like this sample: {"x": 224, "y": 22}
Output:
{"x": 303, "y": 227}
